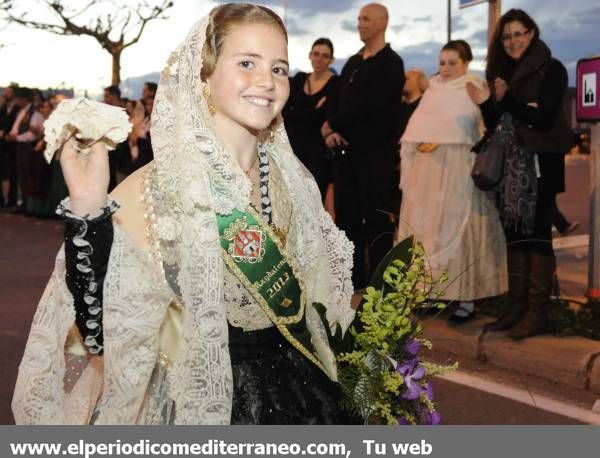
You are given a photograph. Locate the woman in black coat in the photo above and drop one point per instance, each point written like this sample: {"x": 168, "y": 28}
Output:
{"x": 526, "y": 82}
{"x": 306, "y": 110}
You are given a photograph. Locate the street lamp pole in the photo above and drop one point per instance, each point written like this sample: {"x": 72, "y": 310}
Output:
{"x": 449, "y": 21}
{"x": 593, "y": 292}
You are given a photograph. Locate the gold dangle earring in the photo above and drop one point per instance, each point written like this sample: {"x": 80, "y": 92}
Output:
{"x": 212, "y": 109}
{"x": 273, "y": 128}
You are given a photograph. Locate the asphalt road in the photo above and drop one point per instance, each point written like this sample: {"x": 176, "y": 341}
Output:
{"x": 464, "y": 405}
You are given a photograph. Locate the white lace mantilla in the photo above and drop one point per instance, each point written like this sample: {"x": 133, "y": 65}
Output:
{"x": 195, "y": 178}
{"x": 242, "y": 310}
{"x": 56, "y": 384}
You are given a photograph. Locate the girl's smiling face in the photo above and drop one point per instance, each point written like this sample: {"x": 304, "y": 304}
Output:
{"x": 249, "y": 85}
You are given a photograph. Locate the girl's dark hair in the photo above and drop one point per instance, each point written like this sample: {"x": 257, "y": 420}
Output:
{"x": 461, "y": 47}
{"x": 498, "y": 62}
{"x": 323, "y": 41}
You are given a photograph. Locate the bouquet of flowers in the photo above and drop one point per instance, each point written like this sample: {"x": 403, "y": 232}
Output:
{"x": 380, "y": 370}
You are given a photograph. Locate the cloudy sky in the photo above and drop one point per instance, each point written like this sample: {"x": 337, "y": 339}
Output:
{"x": 416, "y": 31}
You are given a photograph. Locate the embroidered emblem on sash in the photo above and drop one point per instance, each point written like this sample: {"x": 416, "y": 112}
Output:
{"x": 246, "y": 243}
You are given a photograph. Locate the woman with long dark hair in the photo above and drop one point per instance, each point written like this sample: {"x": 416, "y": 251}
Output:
{"x": 528, "y": 84}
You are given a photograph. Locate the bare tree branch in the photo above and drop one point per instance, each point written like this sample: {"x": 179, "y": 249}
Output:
{"x": 125, "y": 24}
{"x": 83, "y": 10}
{"x": 156, "y": 12}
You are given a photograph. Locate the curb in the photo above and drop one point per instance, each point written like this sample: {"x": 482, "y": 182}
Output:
{"x": 572, "y": 361}
{"x": 460, "y": 341}
{"x": 563, "y": 360}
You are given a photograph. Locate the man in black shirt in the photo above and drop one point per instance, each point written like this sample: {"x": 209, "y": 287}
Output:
{"x": 8, "y": 152}
{"x": 363, "y": 120}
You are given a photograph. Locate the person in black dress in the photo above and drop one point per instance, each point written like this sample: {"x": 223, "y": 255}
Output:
{"x": 306, "y": 110}
{"x": 8, "y": 154}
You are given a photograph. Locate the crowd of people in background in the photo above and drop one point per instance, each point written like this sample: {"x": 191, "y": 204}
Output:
{"x": 401, "y": 149}
{"x": 136, "y": 151}
{"x": 32, "y": 186}
{"x": 29, "y": 184}
{"x": 391, "y": 155}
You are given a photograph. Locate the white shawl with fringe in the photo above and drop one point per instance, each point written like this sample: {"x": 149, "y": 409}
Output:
{"x": 446, "y": 114}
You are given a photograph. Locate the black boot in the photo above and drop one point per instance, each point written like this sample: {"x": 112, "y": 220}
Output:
{"x": 536, "y": 319}
{"x": 518, "y": 288}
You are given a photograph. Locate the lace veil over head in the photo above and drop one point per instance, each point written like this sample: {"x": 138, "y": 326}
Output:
{"x": 198, "y": 177}
{"x": 194, "y": 178}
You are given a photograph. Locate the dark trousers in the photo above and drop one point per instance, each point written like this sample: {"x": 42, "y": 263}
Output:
{"x": 558, "y": 219}
{"x": 8, "y": 163}
{"x": 363, "y": 204}
{"x": 24, "y": 153}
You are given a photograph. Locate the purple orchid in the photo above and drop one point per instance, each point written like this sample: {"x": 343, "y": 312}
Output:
{"x": 431, "y": 418}
{"x": 429, "y": 390}
{"x": 413, "y": 346}
{"x": 411, "y": 371}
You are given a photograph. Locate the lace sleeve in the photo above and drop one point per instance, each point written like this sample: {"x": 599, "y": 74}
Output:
{"x": 340, "y": 252}
{"x": 87, "y": 249}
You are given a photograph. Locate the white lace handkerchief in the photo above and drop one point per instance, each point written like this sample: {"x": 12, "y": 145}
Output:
{"x": 89, "y": 120}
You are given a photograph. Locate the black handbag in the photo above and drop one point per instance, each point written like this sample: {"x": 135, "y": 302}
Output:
{"x": 491, "y": 153}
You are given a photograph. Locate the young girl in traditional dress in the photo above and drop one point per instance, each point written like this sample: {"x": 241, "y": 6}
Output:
{"x": 186, "y": 296}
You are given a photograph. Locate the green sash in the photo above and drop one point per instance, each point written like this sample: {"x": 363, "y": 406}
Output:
{"x": 255, "y": 255}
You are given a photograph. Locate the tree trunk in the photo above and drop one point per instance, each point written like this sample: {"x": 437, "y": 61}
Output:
{"x": 116, "y": 67}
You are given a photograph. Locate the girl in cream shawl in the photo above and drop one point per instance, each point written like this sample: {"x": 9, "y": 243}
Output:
{"x": 164, "y": 329}
{"x": 456, "y": 222}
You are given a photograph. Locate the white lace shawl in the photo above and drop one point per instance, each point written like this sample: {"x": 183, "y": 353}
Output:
{"x": 198, "y": 178}
{"x": 445, "y": 114}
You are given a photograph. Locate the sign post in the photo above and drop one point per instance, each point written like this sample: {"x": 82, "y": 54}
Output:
{"x": 588, "y": 110}
{"x": 593, "y": 291}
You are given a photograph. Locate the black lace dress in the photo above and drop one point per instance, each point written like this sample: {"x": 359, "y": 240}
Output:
{"x": 303, "y": 121}
{"x": 274, "y": 384}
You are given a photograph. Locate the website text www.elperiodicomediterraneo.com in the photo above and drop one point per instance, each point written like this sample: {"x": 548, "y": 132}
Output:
{"x": 215, "y": 447}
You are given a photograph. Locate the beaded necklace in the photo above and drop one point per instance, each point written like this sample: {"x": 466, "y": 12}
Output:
{"x": 263, "y": 185}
